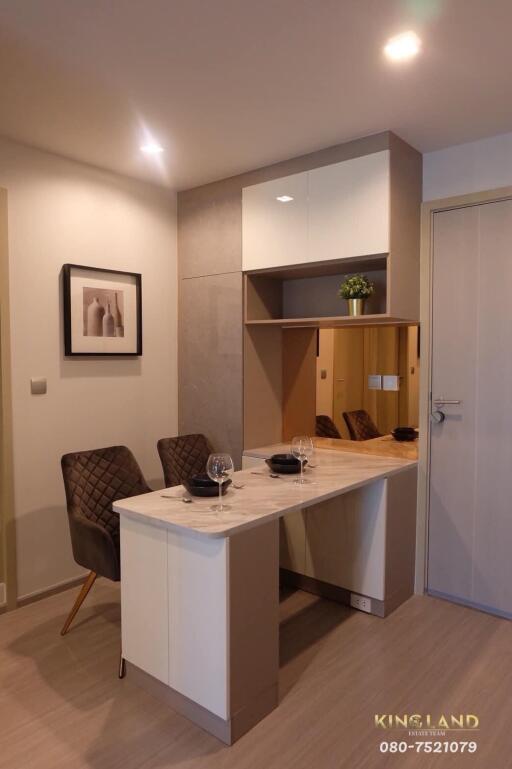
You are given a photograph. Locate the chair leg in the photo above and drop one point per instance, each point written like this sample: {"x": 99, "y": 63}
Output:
{"x": 122, "y": 665}
{"x": 89, "y": 582}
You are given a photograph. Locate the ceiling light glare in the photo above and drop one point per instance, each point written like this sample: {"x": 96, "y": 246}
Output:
{"x": 151, "y": 148}
{"x": 403, "y": 47}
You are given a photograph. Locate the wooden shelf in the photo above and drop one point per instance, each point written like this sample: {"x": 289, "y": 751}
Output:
{"x": 321, "y": 269}
{"x": 307, "y": 295}
{"x": 334, "y": 321}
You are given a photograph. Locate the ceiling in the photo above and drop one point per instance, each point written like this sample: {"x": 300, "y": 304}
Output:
{"x": 230, "y": 85}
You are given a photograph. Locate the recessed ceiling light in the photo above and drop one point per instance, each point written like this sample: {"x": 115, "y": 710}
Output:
{"x": 402, "y": 47}
{"x": 152, "y": 148}
{"x": 284, "y": 198}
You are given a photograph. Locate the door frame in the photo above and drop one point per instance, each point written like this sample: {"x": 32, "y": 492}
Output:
{"x": 428, "y": 209}
{"x": 6, "y": 436}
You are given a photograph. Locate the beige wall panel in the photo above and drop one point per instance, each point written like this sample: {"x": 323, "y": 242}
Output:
{"x": 406, "y": 171}
{"x": 210, "y": 360}
{"x": 210, "y": 230}
{"x": 253, "y": 614}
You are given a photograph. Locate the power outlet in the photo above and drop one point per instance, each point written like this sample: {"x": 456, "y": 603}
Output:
{"x": 361, "y": 602}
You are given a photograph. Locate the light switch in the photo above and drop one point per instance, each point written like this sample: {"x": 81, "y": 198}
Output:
{"x": 323, "y": 373}
{"x": 374, "y": 382}
{"x": 38, "y": 386}
{"x": 390, "y": 382}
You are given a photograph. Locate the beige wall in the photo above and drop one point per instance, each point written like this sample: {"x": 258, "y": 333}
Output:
{"x": 485, "y": 164}
{"x": 60, "y": 211}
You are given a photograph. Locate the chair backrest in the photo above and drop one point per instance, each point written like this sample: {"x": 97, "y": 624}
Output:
{"x": 183, "y": 456}
{"x": 360, "y": 425}
{"x": 95, "y": 479}
{"x": 325, "y": 427}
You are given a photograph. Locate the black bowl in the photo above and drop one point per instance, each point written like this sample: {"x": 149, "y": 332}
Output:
{"x": 284, "y": 459}
{"x": 202, "y": 479}
{"x": 404, "y": 434}
{"x": 284, "y": 464}
{"x": 203, "y": 486}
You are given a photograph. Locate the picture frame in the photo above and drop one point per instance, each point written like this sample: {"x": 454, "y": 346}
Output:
{"x": 102, "y": 311}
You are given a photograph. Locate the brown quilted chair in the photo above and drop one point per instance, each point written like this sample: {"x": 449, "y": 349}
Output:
{"x": 183, "y": 456}
{"x": 325, "y": 427}
{"x": 93, "y": 481}
{"x": 360, "y": 425}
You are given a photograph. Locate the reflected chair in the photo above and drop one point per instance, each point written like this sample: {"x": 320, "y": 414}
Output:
{"x": 183, "y": 456}
{"x": 93, "y": 480}
{"x": 360, "y": 425}
{"x": 325, "y": 427}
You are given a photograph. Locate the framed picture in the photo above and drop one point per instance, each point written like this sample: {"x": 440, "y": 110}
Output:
{"x": 102, "y": 311}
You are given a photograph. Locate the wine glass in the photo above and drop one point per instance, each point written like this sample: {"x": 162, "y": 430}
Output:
{"x": 219, "y": 468}
{"x": 302, "y": 448}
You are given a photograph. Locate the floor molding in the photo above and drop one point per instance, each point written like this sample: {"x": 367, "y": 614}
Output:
{"x": 47, "y": 592}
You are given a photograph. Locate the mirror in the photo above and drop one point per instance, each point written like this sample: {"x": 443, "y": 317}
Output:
{"x": 351, "y": 362}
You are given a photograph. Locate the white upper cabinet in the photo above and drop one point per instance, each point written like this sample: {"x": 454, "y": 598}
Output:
{"x": 274, "y": 227}
{"x": 337, "y": 211}
{"x": 349, "y": 208}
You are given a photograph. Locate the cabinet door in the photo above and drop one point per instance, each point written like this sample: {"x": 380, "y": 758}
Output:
{"x": 144, "y": 601}
{"x": 275, "y": 232}
{"x": 349, "y": 208}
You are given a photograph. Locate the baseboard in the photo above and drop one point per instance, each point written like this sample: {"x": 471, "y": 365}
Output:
{"x": 470, "y": 604}
{"x": 60, "y": 587}
{"x": 3, "y": 594}
{"x": 227, "y": 731}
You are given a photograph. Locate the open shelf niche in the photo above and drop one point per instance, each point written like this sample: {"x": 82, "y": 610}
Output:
{"x": 307, "y": 295}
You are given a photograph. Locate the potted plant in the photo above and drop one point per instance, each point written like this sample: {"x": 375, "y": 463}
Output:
{"x": 355, "y": 289}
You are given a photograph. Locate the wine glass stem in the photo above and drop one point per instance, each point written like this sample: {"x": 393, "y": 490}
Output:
{"x": 302, "y": 470}
{"x": 220, "y": 495}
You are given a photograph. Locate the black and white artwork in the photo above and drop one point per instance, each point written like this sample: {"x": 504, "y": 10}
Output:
{"x": 102, "y": 311}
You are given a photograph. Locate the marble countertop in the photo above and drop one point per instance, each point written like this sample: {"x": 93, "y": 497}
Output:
{"x": 262, "y": 498}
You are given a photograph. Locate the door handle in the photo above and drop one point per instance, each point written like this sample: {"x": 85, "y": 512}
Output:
{"x": 446, "y": 402}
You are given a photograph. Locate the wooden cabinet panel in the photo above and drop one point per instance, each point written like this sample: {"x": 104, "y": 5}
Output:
{"x": 349, "y": 208}
{"x": 346, "y": 541}
{"x": 275, "y": 232}
{"x": 292, "y": 541}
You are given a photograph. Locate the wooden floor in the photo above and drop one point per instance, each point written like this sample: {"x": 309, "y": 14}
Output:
{"x": 62, "y": 706}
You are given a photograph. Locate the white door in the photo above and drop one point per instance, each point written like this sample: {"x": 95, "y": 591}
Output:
{"x": 470, "y": 517}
